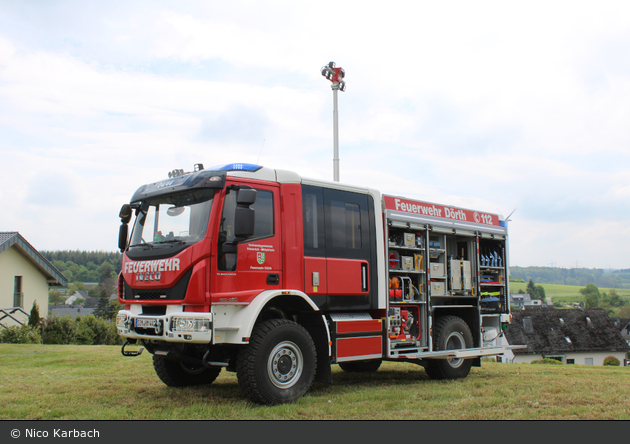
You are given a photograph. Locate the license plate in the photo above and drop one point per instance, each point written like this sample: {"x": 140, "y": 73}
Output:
{"x": 146, "y": 323}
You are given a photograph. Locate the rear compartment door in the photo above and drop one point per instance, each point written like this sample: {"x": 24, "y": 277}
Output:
{"x": 339, "y": 249}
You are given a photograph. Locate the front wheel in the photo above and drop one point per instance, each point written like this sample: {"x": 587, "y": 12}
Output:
{"x": 278, "y": 366}
{"x": 450, "y": 333}
{"x": 180, "y": 374}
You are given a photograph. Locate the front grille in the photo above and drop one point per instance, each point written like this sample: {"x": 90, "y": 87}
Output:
{"x": 151, "y": 295}
{"x": 175, "y": 293}
{"x": 155, "y": 310}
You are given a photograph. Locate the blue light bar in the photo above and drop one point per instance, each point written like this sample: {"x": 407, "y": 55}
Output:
{"x": 252, "y": 168}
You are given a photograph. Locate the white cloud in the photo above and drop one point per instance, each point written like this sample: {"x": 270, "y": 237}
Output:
{"x": 488, "y": 105}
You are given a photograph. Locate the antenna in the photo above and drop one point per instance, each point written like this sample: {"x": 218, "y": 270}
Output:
{"x": 259, "y": 154}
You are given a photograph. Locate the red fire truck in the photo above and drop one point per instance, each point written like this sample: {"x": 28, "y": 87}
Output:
{"x": 277, "y": 277}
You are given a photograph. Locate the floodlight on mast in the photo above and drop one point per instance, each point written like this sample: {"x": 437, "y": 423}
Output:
{"x": 336, "y": 76}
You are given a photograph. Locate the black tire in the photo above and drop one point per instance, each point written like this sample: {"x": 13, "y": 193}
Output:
{"x": 278, "y": 366}
{"x": 179, "y": 374}
{"x": 361, "y": 366}
{"x": 450, "y": 333}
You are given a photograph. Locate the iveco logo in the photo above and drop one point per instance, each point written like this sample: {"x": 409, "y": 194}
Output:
{"x": 149, "y": 277}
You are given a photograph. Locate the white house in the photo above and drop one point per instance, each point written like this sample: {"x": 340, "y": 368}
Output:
{"x": 25, "y": 277}
{"x": 572, "y": 336}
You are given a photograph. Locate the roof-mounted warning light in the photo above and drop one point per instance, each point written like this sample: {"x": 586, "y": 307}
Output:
{"x": 250, "y": 167}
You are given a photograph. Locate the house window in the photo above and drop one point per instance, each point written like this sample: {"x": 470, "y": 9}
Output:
{"x": 18, "y": 295}
{"x": 570, "y": 361}
{"x": 560, "y": 358}
{"x": 588, "y": 361}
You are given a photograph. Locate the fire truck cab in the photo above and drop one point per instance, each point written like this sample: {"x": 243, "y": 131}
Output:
{"x": 277, "y": 277}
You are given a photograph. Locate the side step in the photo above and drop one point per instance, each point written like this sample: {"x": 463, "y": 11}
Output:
{"x": 131, "y": 352}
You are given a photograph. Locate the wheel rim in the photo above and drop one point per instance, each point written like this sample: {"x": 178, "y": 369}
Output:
{"x": 285, "y": 364}
{"x": 455, "y": 341}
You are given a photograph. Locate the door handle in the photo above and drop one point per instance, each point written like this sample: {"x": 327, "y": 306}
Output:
{"x": 364, "y": 277}
{"x": 273, "y": 279}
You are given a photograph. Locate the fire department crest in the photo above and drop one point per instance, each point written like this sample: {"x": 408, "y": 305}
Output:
{"x": 260, "y": 257}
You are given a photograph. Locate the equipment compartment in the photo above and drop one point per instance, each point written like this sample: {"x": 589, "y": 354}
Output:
{"x": 493, "y": 296}
{"x": 406, "y": 260}
{"x": 404, "y": 325}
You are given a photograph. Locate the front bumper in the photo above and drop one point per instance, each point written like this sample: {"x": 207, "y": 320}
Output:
{"x": 175, "y": 326}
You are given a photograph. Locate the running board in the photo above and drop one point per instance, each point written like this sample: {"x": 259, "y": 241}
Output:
{"x": 454, "y": 354}
{"x": 470, "y": 352}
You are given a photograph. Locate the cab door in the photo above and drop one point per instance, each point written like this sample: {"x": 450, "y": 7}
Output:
{"x": 254, "y": 265}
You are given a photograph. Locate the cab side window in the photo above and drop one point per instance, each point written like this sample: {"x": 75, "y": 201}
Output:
{"x": 346, "y": 225}
{"x": 313, "y": 216}
{"x": 264, "y": 225}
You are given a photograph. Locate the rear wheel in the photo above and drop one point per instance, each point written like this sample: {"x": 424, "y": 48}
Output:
{"x": 278, "y": 366}
{"x": 179, "y": 374}
{"x": 361, "y": 366}
{"x": 450, "y": 333}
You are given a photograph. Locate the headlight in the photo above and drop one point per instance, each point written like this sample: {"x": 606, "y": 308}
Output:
{"x": 121, "y": 320}
{"x": 190, "y": 324}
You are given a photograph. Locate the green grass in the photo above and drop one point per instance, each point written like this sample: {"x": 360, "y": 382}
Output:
{"x": 55, "y": 382}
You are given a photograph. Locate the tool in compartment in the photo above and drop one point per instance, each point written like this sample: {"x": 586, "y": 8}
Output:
{"x": 401, "y": 289}
{"x": 491, "y": 258}
{"x": 409, "y": 290}
{"x": 394, "y": 260}
{"x": 395, "y": 240}
{"x": 395, "y": 290}
{"x": 410, "y": 240}
{"x": 419, "y": 240}
{"x": 418, "y": 262}
{"x": 404, "y": 324}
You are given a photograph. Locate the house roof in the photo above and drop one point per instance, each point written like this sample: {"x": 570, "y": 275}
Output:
{"x": 623, "y": 324}
{"x": 524, "y": 297}
{"x": 564, "y": 331}
{"x": 10, "y": 239}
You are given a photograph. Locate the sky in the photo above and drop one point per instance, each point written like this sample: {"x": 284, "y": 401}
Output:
{"x": 513, "y": 108}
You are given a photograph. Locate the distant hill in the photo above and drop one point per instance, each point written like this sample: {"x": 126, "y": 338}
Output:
{"x": 573, "y": 276}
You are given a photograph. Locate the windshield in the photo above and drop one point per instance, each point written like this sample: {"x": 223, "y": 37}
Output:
{"x": 180, "y": 218}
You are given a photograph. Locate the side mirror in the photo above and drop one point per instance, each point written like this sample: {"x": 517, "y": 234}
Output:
{"x": 246, "y": 197}
{"x": 125, "y": 217}
{"x": 244, "y": 216}
{"x": 244, "y": 221}
{"x": 122, "y": 237}
{"x": 125, "y": 213}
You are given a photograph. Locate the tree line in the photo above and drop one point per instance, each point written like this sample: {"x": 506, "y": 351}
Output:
{"x": 80, "y": 267}
{"x": 85, "y": 266}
